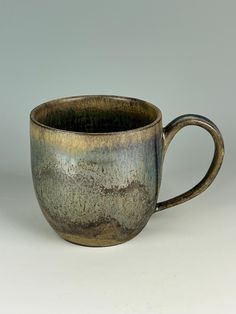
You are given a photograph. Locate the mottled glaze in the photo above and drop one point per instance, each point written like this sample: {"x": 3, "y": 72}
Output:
{"x": 96, "y": 189}
{"x": 97, "y": 164}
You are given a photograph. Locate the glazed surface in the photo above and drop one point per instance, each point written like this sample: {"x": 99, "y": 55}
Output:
{"x": 97, "y": 189}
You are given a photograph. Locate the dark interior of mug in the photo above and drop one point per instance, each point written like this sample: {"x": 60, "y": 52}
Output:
{"x": 95, "y": 114}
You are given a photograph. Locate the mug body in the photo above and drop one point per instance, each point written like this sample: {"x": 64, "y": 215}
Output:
{"x": 96, "y": 166}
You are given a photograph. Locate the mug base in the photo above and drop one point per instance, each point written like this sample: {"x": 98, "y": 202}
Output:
{"x": 93, "y": 242}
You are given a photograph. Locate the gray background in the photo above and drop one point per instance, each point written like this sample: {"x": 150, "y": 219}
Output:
{"x": 180, "y": 55}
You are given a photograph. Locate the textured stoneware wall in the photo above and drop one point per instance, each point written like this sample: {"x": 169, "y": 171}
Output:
{"x": 97, "y": 189}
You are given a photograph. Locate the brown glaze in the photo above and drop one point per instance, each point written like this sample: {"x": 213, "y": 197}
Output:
{"x": 96, "y": 188}
{"x": 97, "y": 164}
{"x": 169, "y": 132}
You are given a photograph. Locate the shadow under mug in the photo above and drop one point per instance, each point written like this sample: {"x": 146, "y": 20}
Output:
{"x": 97, "y": 163}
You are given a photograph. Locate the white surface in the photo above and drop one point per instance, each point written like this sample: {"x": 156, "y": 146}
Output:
{"x": 179, "y": 55}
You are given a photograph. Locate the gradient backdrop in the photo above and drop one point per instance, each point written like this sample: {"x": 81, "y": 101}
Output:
{"x": 179, "y": 55}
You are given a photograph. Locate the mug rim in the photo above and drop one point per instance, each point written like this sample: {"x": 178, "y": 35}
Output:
{"x": 67, "y": 99}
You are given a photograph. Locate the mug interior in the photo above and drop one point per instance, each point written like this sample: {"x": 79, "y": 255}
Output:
{"x": 96, "y": 114}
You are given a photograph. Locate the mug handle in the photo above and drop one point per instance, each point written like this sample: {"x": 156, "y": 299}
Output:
{"x": 169, "y": 132}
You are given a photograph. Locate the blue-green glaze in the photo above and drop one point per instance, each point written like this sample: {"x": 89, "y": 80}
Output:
{"x": 97, "y": 163}
{"x": 99, "y": 193}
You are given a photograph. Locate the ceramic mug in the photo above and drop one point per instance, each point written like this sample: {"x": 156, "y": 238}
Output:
{"x": 97, "y": 164}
